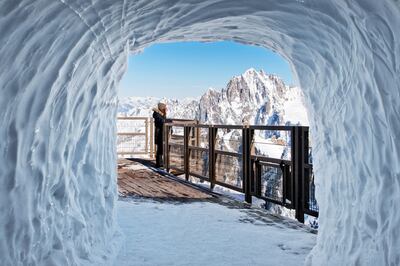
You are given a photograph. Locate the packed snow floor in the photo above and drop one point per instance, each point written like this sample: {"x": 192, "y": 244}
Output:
{"x": 207, "y": 233}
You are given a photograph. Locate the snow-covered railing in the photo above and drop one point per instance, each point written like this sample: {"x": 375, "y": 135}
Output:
{"x": 268, "y": 162}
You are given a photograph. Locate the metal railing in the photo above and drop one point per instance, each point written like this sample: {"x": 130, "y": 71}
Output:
{"x": 241, "y": 163}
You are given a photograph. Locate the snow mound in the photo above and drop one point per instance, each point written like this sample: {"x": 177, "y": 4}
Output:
{"x": 61, "y": 63}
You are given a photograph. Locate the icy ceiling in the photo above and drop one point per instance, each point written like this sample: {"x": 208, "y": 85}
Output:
{"x": 61, "y": 61}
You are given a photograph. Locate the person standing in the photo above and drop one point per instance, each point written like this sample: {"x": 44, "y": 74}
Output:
{"x": 160, "y": 116}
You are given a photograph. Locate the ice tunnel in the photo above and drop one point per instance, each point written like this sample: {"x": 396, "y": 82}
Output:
{"x": 60, "y": 65}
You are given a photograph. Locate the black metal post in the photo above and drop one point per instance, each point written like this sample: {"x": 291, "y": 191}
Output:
{"x": 305, "y": 172}
{"x": 298, "y": 170}
{"x": 212, "y": 133}
{"x": 258, "y": 188}
{"x": 251, "y": 163}
{"x": 166, "y": 147}
{"x": 287, "y": 185}
{"x": 186, "y": 136}
{"x": 246, "y": 163}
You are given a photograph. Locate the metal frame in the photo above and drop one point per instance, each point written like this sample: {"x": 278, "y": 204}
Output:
{"x": 295, "y": 182}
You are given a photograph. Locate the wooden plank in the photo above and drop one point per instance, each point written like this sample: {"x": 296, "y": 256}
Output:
{"x": 133, "y": 134}
{"x": 149, "y": 184}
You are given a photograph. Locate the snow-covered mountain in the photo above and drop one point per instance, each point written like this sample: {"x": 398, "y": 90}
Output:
{"x": 142, "y": 106}
{"x": 254, "y": 97}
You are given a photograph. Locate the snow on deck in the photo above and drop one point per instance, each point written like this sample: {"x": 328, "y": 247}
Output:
{"x": 212, "y": 231}
{"x": 206, "y": 233}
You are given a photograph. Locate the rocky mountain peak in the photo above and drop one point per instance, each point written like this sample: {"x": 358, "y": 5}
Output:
{"x": 254, "y": 96}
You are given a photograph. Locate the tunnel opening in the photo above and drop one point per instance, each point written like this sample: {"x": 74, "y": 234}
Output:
{"x": 173, "y": 72}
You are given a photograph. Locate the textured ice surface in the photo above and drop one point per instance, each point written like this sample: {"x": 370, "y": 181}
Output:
{"x": 61, "y": 61}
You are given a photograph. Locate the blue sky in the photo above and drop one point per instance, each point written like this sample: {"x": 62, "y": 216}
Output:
{"x": 188, "y": 69}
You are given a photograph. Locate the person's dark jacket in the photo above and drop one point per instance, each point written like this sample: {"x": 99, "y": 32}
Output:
{"x": 159, "y": 120}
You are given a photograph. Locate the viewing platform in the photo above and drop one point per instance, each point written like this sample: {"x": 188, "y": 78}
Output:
{"x": 270, "y": 163}
{"x": 188, "y": 211}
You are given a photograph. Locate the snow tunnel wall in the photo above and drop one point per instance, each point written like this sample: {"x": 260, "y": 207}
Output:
{"x": 61, "y": 61}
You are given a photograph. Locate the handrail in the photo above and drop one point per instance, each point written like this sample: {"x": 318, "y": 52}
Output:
{"x": 255, "y": 127}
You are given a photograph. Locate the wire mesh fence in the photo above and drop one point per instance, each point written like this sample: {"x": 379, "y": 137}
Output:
{"x": 135, "y": 137}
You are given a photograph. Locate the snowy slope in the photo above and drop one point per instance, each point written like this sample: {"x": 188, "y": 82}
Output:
{"x": 142, "y": 106}
{"x": 136, "y": 106}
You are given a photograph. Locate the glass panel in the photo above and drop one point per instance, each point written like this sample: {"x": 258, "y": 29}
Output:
{"x": 272, "y": 143}
{"x": 228, "y": 170}
{"x": 199, "y": 162}
{"x": 176, "y": 136}
{"x": 272, "y": 182}
{"x": 176, "y": 157}
{"x": 229, "y": 140}
{"x": 199, "y": 137}
{"x": 312, "y": 201}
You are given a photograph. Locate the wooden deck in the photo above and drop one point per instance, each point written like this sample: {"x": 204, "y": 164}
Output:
{"x": 142, "y": 180}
